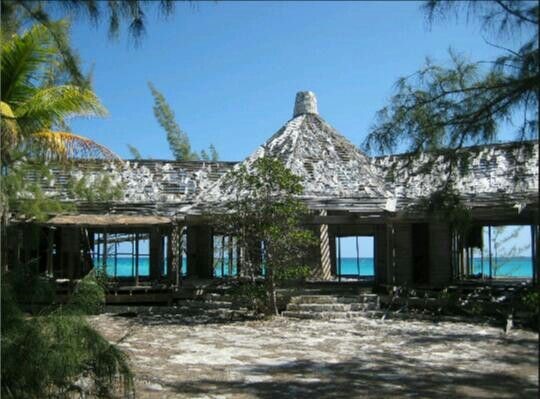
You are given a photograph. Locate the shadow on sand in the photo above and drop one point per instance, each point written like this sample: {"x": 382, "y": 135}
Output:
{"x": 384, "y": 375}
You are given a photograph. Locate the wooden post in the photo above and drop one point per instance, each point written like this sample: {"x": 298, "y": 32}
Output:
{"x": 105, "y": 252}
{"x": 169, "y": 263}
{"x": 490, "y": 255}
{"x": 534, "y": 253}
{"x": 50, "y": 244}
{"x": 136, "y": 259}
{"x": 191, "y": 249}
{"x": 205, "y": 263}
{"x": 230, "y": 253}
{"x": 156, "y": 249}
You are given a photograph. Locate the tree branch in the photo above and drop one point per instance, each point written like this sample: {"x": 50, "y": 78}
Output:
{"x": 515, "y": 13}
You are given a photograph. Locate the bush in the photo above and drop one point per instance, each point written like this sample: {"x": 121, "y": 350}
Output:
{"x": 252, "y": 295}
{"x": 57, "y": 353}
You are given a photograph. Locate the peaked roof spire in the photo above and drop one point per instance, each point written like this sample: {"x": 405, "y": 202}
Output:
{"x": 305, "y": 103}
{"x": 334, "y": 171}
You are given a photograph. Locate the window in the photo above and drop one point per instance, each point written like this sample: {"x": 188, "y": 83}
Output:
{"x": 122, "y": 255}
{"x": 226, "y": 255}
{"x": 506, "y": 252}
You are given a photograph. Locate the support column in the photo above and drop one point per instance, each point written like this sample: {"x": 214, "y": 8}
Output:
{"x": 156, "y": 249}
{"x": 50, "y": 244}
{"x": 534, "y": 253}
{"x": 390, "y": 255}
{"x": 324, "y": 271}
{"x": 200, "y": 252}
{"x": 174, "y": 255}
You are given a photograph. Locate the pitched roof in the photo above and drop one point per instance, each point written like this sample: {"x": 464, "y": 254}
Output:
{"x": 333, "y": 170}
{"x": 148, "y": 186}
{"x": 335, "y": 174}
{"x": 485, "y": 174}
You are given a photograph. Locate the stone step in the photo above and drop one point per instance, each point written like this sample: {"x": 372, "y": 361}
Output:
{"x": 319, "y": 307}
{"x": 205, "y": 304}
{"x": 329, "y": 299}
{"x": 365, "y": 306}
{"x": 213, "y": 297}
{"x": 331, "y": 307}
{"x": 331, "y": 315}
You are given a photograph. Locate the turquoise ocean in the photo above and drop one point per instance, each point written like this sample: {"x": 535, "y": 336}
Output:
{"x": 506, "y": 267}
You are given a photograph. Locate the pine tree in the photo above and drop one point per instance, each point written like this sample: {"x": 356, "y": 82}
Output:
{"x": 134, "y": 152}
{"x": 448, "y": 107}
{"x": 177, "y": 138}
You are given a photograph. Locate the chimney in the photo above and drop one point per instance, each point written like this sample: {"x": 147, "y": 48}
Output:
{"x": 305, "y": 103}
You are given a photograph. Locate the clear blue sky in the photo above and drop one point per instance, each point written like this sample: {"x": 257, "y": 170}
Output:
{"x": 230, "y": 70}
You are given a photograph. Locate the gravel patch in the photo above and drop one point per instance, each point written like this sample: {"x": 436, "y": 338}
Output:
{"x": 175, "y": 356}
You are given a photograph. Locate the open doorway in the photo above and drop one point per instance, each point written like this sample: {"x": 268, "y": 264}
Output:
{"x": 355, "y": 256}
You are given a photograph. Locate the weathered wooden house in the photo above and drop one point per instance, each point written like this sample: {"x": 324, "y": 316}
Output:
{"x": 159, "y": 224}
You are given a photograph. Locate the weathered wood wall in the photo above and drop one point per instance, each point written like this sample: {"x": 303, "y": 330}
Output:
{"x": 403, "y": 266}
{"x": 440, "y": 254}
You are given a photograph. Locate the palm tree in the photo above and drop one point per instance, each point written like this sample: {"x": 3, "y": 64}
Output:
{"x": 36, "y": 99}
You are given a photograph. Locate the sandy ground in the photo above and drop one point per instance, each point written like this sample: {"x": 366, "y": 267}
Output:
{"x": 176, "y": 356}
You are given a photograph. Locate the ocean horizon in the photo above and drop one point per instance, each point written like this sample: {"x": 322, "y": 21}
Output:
{"x": 503, "y": 267}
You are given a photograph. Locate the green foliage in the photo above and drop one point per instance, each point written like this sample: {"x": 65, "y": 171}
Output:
{"x": 211, "y": 155}
{"x": 448, "y": 107}
{"x": 132, "y": 13}
{"x": 177, "y": 138}
{"x": 57, "y": 347}
{"x": 100, "y": 189}
{"x": 252, "y": 295}
{"x": 293, "y": 273}
{"x": 135, "y": 154}
{"x": 25, "y": 194}
{"x": 15, "y": 14}
{"x": 56, "y": 352}
{"x": 267, "y": 211}
{"x": 502, "y": 249}
{"x": 531, "y": 300}
{"x": 30, "y": 288}
{"x": 214, "y": 156}
{"x": 32, "y": 85}
{"x": 88, "y": 296}
{"x": 447, "y": 206}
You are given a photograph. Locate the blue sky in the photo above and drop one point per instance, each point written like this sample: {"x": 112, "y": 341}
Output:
{"x": 230, "y": 70}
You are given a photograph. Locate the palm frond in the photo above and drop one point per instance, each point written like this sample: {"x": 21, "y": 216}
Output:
{"x": 64, "y": 146}
{"x": 10, "y": 132}
{"x": 22, "y": 59}
{"x": 52, "y": 105}
{"x": 6, "y": 111}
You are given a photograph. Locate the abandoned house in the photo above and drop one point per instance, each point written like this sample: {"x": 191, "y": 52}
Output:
{"x": 158, "y": 233}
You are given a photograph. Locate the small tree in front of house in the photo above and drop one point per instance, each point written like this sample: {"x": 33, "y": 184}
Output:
{"x": 265, "y": 216}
